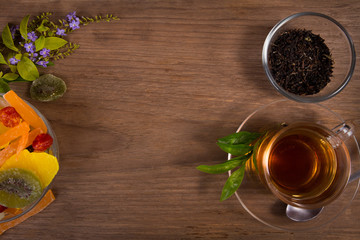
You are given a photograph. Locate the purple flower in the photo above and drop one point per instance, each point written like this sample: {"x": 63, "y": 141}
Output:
{"x": 44, "y": 52}
{"x": 71, "y": 16}
{"x": 13, "y": 61}
{"x": 42, "y": 63}
{"x": 29, "y": 47}
{"x": 60, "y": 32}
{"x": 33, "y": 57}
{"x": 74, "y": 24}
{"x": 32, "y": 36}
{"x": 13, "y": 30}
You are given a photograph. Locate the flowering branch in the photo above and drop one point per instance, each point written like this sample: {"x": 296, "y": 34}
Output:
{"x": 35, "y": 44}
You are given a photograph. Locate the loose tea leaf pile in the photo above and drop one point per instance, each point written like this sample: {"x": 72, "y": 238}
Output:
{"x": 301, "y": 62}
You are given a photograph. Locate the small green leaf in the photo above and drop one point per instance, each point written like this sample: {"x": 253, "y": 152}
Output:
{"x": 242, "y": 137}
{"x": 7, "y": 39}
{"x": 27, "y": 69}
{"x": 54, "y": 43}
{"x": 23, "y": 27}
{"x": 10, "y": 76}
{"x": 42, "y": 28}
{"x": 2, "y": 59}
{"x": 233, "y": 183}
{"x": 39, "y": 43}
{"x": 1, "y": 74}
{"x": 223, "y": 167}
{"x": 236, "y": 150}
{"x": 13, "y": 68}
{"x": 4, "y": 86}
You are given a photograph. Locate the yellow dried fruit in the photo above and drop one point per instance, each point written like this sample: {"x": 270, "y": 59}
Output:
{"x": 45, "y": 166}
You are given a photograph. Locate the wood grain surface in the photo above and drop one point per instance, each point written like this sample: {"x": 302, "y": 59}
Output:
{"x": 147, "y": 97}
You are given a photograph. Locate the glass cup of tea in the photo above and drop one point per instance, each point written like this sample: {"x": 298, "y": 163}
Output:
{"x": 305, "y": 159}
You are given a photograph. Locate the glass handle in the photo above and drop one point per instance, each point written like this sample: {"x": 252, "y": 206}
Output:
{"x": 342, "y": 133}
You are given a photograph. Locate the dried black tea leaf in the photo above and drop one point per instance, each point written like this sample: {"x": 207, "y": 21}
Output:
{"x": 301, "y": 62}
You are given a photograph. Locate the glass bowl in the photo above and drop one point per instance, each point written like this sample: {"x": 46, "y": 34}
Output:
{"x": 54, "y": 150}
{"x": 337, "y": 40}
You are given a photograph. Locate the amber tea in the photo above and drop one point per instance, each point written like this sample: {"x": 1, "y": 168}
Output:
{"x": 302, "y": 167}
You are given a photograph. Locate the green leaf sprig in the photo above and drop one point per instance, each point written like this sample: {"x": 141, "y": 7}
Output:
{"x": 241, "y": 145}
{"x": 35, "y": 44}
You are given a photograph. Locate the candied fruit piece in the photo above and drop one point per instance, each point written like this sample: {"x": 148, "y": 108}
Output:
{"x": 42, "y": 142}
{"x": 25, "y": 111}
{"x": 14, "y": 133}
{"x": 9, "y": 117}
{"x": 13, "y": 147}
{"x": 45, "y": 166}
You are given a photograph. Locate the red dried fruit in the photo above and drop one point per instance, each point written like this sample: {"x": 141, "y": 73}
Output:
{"x": 42, "y": 142}
{"x": 9, "y": 117}
{"x": 2, "y": 208}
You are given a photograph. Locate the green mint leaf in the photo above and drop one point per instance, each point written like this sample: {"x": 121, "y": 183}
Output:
{"x": 236, "y": 150}
{"x": 233, "y": 183}
{"x": 242, "y": 137}
{"x": 1, "y": 74}
{"x": 223, "y": 167}
{"x": 23, "y": 27}
{"x": 27, "y": 69}
{"x": 2, "y": 59}
{"x": 39, "y": 43}
{"x": 54, "y": 43}
{"x": 7, "y": 39}
{"x": 4, "y": 86}
{"x": 10, "y": 76}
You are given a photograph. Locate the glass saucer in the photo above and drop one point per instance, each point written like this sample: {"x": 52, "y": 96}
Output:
{"x": 258, "y": 200}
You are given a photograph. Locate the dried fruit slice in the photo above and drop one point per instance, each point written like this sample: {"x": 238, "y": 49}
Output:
{"x": 42, "y": 142}
{"x": 45, "y": 166}
{"x": 3, "y": 128}
{"x": 47, "y": 88}
{"x": 44, "y": 202}
{"x": 25, "y": 111}
{"x": 18, "y": 188}
{"x": 12, "y": 148}
{"x": 22, "y": 142}
{"x": 14, "y": 133}
{"x": 9, "y": 117}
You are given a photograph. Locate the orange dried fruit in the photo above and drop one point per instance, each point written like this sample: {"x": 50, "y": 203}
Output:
{"x": 3, "y": 128}
{"x": 44, "y": 202}
{"x": 13, "y": 147}
{"x": 25, "y": 111}
{"x": 14, "y": 133}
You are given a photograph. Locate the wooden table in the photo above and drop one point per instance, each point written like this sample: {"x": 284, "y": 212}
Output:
{"x": 147, "y": 98}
